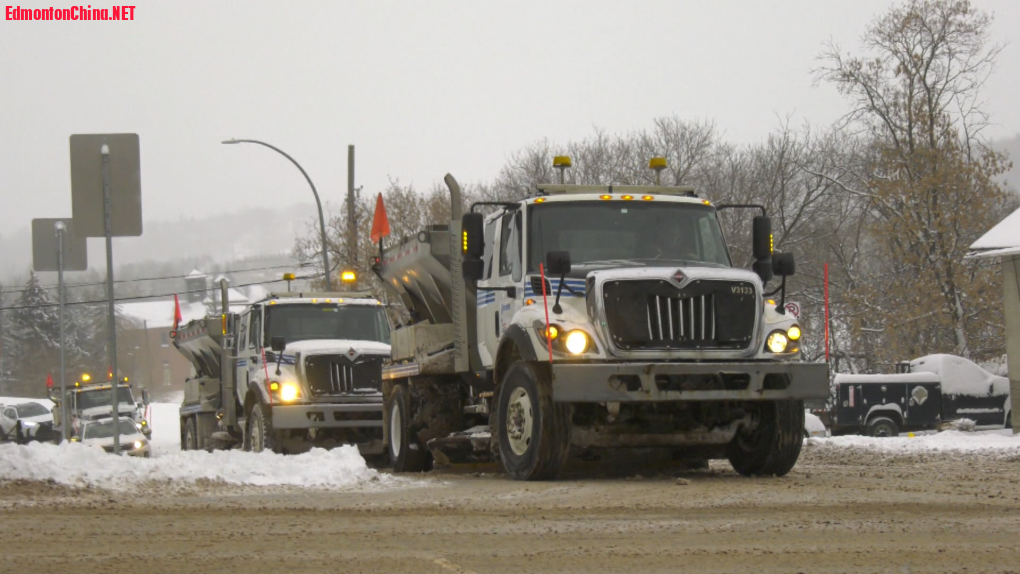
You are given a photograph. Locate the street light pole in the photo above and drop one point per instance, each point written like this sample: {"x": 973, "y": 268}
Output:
{"x": 322, "y": 220}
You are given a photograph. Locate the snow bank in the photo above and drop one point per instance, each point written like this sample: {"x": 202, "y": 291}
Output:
{"x": 989, "y": 442}
{"x": 74, "y": 464}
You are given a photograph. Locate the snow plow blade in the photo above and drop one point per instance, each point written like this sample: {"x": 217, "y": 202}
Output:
{"x": 471, "y": 445}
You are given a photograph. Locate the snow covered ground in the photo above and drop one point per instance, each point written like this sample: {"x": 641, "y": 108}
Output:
{"x": 74, "y": 464}
{"x": 996, "y": 442}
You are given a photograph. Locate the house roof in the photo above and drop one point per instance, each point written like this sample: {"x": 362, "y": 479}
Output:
{"x": 1001, "y": 240}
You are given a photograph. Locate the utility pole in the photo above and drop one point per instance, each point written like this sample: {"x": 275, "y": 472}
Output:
{"x": 352, "y": 218}
{"x": 3, "y": 348}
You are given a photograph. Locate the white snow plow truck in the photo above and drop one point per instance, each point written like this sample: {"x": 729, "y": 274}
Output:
{"x": 592, "y": 317}
{"x": 293, "y": 371}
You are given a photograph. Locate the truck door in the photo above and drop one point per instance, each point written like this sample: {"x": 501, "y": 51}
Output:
{"x": 924, "y": 405}
{"x": 509, "y": 273}
{"x": 486, "y": 301}
{"x": 241, "y": 364}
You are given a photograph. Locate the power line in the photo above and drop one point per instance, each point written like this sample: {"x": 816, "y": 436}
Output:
{"x": 139, "y": 297}
{"x": 168, "y": 277}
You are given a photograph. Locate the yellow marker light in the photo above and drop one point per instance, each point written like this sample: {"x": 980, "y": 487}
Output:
{"x": 329, "y": 300}
{"x": 339, "y": 300}
{"x": 86, "y": 377}
{"x": 529, "y": 302}
{"x": 577, "y": 342}
{"x": 605, "y": 197}
{"x": 315, "y": 300}
{"x": 793, "y": 333}
{"x": 463, "y": 235}
{"x": 552, "y": 332}
{"x": 647, "y": 197}
{"x": 706, "y": 202}
{"x": 272, "y": 302}
{"x": 771, "y": 302}
{"x": 288, "y": 276}
{"x": 348, "y": 276}
{"x": 562, "y": 161}
{"x": 77, "y": 384}
{"x": 657, "y": 163}
{"x": 771, "y": 249}
{"x": 223, "y": 320}
{"x": 627, "y": 197}
{"x": 274, "y": 386}
{"x": 777, "y": 342}
{"x": 540, "y": 200}
{"x": 289, "y": 392}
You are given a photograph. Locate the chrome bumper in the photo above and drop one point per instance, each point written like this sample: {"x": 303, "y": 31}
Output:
{"x": 649, "y": 382}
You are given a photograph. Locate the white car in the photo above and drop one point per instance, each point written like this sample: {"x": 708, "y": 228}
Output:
{"x": 100, "y": 434}
{"x": 813, "y": 427}
{"x": 25, "y": 422}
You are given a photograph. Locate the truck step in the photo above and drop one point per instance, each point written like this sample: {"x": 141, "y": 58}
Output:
{"x": 471, "y": 445}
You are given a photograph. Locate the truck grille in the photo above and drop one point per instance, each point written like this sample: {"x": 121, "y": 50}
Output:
{"x": 657, "y": 315}
{"x": 339, "y": 375}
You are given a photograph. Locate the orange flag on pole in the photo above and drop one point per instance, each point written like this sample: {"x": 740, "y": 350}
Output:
{"x": 380, "y": 224}
{"x": 177, "y": 312}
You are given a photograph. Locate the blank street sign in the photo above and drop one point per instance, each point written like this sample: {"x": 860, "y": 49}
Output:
{"x": 87, "y": 184}
{"x": 44, "y": 246}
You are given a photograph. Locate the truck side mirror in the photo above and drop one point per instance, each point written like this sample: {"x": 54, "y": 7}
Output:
{"x": 278, "y": 344}
{"x": 472, "y": 245}
{"x": 557, "y": 263}
{"x": 783, "y": 265}
{"x": 761, "y": 237}
{"x": 145, "y": 396}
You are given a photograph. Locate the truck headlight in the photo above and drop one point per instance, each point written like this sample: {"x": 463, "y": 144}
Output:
{"x": 577, "y": 342}
{"x": 777, "y": 342}
{"x": 288, "y": 392}
{"x": 138, "y": 444}
{"x": 793, "y": 333}
{"x": 29, "y": 424}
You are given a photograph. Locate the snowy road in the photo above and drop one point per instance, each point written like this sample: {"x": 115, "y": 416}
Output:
{"x": 945, "y": 503}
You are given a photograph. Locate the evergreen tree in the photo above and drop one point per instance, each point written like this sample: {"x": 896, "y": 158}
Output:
{"x": 34, "y": 325}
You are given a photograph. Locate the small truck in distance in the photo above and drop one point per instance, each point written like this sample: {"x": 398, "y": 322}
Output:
{"x": 292, "y": 371}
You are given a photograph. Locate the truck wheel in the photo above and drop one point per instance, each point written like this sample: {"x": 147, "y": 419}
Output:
{"x": 883, "y": 427}
{"x": 534, "y": 432}
{"x": 774, "y": 446}
{"x": 406, "y": 455}
{"x": 259, "y": 435}
{"x": 190, "y": 436}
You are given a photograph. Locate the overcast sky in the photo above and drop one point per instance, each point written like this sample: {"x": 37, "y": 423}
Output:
{"x": 421, "y": 88}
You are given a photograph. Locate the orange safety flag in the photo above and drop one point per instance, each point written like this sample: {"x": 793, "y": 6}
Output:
{"x": 380, "y": 224}
{"x": 177, "y": 312}
{"x": 49, "y": 381}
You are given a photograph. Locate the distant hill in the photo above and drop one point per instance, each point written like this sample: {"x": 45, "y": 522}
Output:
{"x": 247, "y": 232}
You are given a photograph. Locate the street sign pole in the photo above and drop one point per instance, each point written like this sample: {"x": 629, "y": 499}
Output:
{"x": 115, "y": 391}
{"x": 60, "y": 227}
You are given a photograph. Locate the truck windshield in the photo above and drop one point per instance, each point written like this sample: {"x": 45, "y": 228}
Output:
{"x": 105, "y": 429}
{"x": 301, "y": 322}
{"x": 101, "y": 398}
{"x": 625, "y": 232}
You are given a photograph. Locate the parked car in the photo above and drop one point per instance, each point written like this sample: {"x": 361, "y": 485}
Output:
{"x": 100, "y": 433}
{"x": 813, "y": 427}
{"x": 25, "y": 422}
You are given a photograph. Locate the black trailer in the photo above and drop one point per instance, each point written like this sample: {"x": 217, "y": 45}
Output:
{"x": 885, "y": 405}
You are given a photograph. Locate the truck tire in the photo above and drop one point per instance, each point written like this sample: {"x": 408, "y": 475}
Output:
{"x": 883, "y": 427}
{"x": 190, "y": 441}
{"x": 533, "y": 431}
{"x": 773, "y": 447}
{"x": 259, "y": 435}
{"x": 405, "y": 454}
